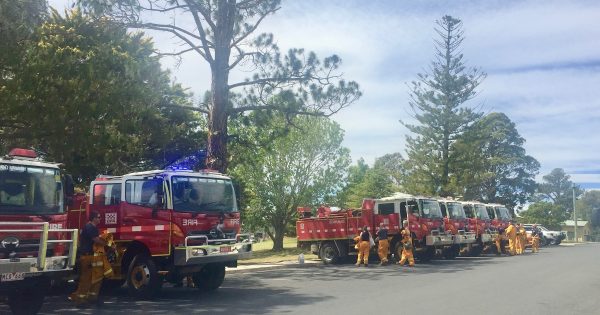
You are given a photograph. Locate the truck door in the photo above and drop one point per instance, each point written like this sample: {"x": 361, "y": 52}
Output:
{"x": 106, "y": 200}
{"x": 144, "y": 214}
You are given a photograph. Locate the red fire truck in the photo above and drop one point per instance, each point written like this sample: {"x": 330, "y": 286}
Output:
{"x": 500, "y": 216}
{"x": 330, "y": 234}
{"x": 36, "y": 249}
{"x": 455, "y": 221}
{"x": 478, "y": 222}
{"x": 168, "y": 224}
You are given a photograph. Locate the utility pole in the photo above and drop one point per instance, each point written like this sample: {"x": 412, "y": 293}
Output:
{"x": 574, "y": 213}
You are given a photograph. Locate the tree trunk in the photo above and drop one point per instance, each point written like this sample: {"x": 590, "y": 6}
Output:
{"x": 216, "y": 157}
{"x": 279, "y": 228}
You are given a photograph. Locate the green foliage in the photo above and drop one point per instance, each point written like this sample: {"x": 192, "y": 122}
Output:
{"x": 302, "y": 168}
{"x": 95, "y": 98}
{"x": 557, "y": 188}
{"x": 223, "y": 35}
{"x": 491, "y": 164}
{"x": 355, "y": 176}
{"x": 18, "y": 22}
{"x": 588, "y": 205}
{"x": 438, "y": 101}
{"x": 545, "y": 213}
{"x": 375, "y": 184}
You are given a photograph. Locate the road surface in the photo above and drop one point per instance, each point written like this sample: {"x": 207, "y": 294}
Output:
{"x": 558, "y": 280}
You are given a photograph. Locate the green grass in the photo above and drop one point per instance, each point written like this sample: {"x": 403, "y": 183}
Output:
{"x": 263, "y": 253}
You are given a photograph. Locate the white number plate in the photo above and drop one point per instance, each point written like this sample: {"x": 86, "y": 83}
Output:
{"x": 12, "y": 276}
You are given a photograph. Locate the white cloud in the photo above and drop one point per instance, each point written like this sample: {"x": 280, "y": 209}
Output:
{"x": 542, "y": 58}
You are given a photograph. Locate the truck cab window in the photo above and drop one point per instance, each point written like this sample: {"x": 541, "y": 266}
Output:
{"x": 385, "y": 208}
{"x": 144, "y": 192}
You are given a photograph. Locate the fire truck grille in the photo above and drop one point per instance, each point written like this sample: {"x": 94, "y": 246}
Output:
{"x": 214, "y": 237}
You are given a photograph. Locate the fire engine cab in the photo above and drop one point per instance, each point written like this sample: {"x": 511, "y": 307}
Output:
{"x": 169, "y": 224}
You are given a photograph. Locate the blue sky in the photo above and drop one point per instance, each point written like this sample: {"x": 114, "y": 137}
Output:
{"x": 542, "y": 59}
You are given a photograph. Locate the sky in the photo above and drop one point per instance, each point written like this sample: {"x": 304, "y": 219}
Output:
{"x": 542, "y": 60}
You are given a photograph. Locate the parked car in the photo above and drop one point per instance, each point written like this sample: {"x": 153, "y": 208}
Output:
{"x": 548, "y": 237}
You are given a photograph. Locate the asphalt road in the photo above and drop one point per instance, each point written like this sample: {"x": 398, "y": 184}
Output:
{"x": 558, "y": 280}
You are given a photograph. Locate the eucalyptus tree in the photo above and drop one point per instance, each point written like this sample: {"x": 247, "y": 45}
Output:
{"x": 223, "y": 34}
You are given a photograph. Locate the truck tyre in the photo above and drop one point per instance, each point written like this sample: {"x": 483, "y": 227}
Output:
{"x": 476, "y": 251}
{"x": 328, "y": 253}
{"x": 427, "y": 255}
{"x": 210, "y": 277}
{"x": 451, "y": 252}
{"x": 143, "y": 280}
{"x": 26, "y": 301}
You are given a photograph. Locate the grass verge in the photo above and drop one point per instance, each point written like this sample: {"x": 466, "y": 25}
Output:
{"x": 263, "y": 253}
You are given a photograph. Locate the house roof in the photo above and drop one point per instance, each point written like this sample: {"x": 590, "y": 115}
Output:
{"x": 572, "y": 223}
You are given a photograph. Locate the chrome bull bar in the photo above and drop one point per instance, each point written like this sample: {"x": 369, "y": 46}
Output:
{"x": 438, "y": 239}
{"x": 464, "y": 237}
{"x": 213, "y": 250}
{"x": 30, "y": 266}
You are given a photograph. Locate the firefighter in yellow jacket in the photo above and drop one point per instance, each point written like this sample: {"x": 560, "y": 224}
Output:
{"x": 363, "y": 246}
{"x": 523, "y": 234}
{"x": 384, "y": 244}
{"x": 93, "y": 264}
{"x": 511, "y": 234}
{"x": 498, "y": 241}
{"x": 407, "y": 249}
{"x": 535, "y": 239}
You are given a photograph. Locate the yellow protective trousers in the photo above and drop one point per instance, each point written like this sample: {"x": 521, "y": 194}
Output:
{"x": 363, "y": 252}
{"x": 499, "y": 245}
{"x": 383, "y": 250}
{"x": 535, "y": 244}
{"x": 512, "y": 245}
{"x": 518, "y": 246}
{"x": 92, "y": 269}
{"x": 407, "y": 255}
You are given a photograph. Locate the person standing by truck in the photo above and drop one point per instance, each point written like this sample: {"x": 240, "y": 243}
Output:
{"x": 88, "y": 288}
{"x": 364, "y": 245}
{"x": 535, "y": 239}
{"x": 511, "y": 234}
{"x": 384, "y": 245}
{"x": 407, "y": 249}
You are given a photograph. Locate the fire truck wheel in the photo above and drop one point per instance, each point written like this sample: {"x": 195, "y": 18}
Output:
{"x": 27, "y": 300}
{"x": 476, "y": 250}
{"x": 210, "y": 277}
{"x": 143, "y": 280}
{"x": 328, "y": 253}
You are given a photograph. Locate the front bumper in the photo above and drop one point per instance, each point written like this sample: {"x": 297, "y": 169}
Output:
{"x": 465, "y": 238}
{"x": 486, "y": 237}
{"x": 212, "y": 251}
{"x": 439, "y": 240}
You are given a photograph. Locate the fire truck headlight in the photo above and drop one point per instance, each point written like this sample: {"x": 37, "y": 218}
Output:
{"x": 198, "y": 252}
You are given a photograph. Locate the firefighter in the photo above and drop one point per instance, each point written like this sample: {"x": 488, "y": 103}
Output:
{"x": 523, "y": 234}
{"x": 384, "y": 245}
{"x": 535, "y": 239}
{"x": 364, "y": 245}
{"x": 407, "y": 249}
{"x": 91, "y": 262}
{"x": 498, "y": 242}
{"x": 511, "y": 234}
{"x": 519, "y": 240}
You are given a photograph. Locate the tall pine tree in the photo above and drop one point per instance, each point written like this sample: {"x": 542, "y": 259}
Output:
{"x": 438, "y": 99}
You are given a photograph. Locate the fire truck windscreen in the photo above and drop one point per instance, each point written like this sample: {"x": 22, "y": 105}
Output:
{"x": 504, "y": 215}
{"x": 430, "y": 208}
{"x": 481, "y": 212}
{"x": 30, "y": 190}
{"x": 456, "y": 210}
{"x": 200, "y": 194}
